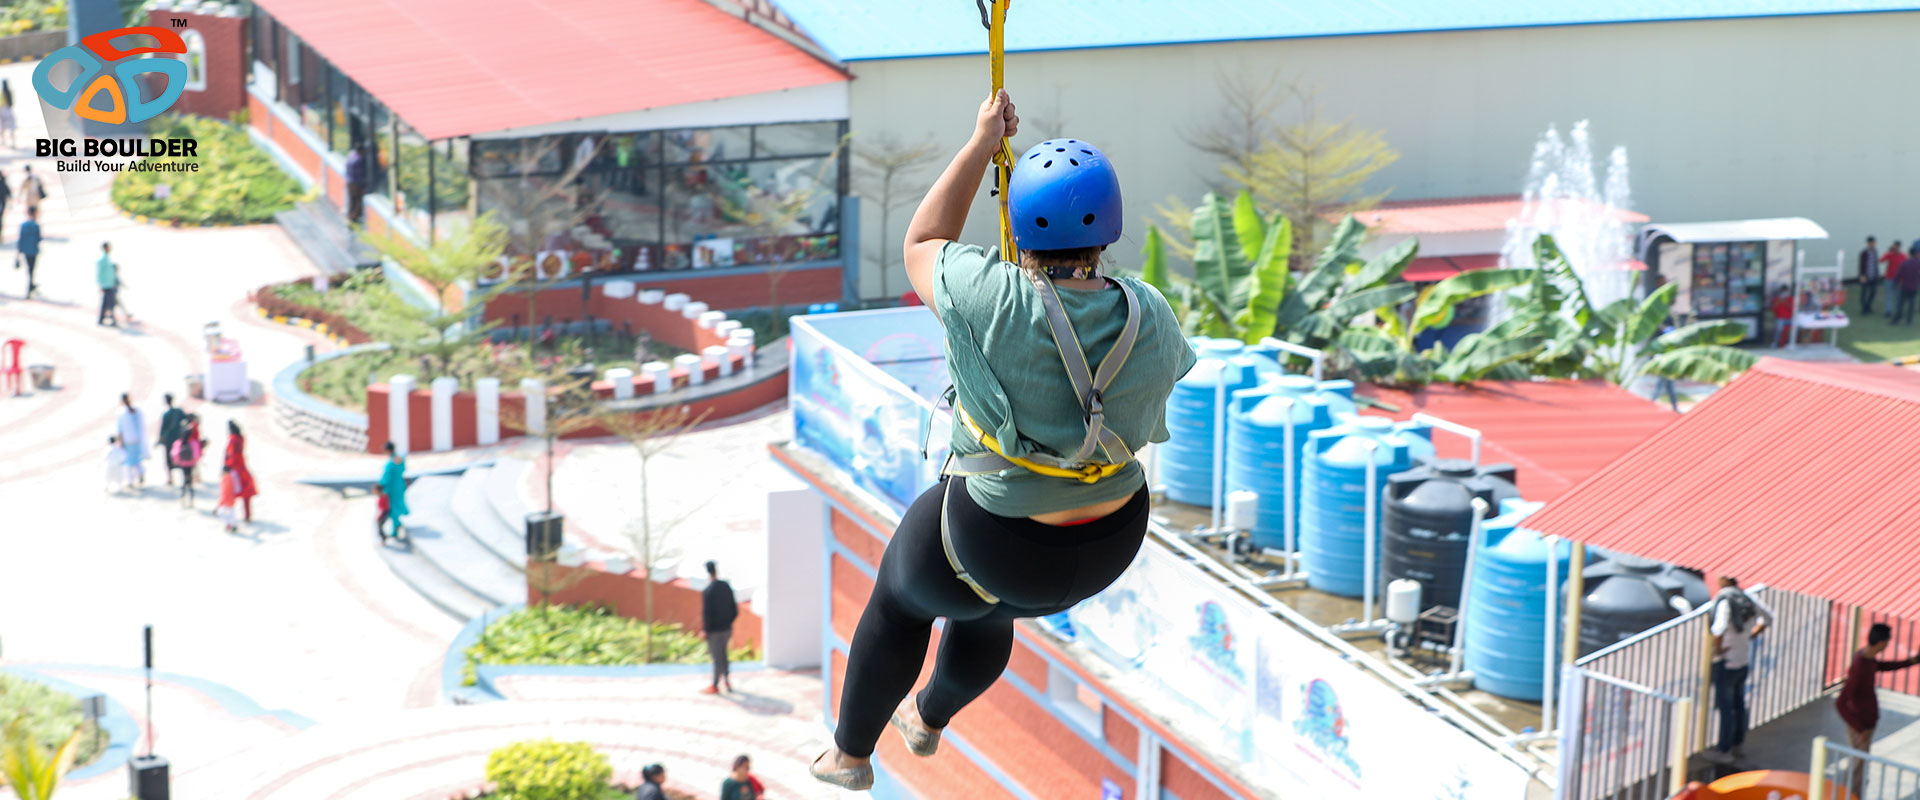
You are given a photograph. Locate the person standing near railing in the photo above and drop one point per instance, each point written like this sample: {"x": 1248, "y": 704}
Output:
{"x": 1737, "y": 618}
{"x": 1858, "y": 704}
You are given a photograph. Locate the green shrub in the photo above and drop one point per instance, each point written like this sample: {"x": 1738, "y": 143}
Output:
{"x": 586, "y": 637}
{"x": 51, "y": 715}
{"x": 543, "y": 769}
{"x": 236, "y": 182}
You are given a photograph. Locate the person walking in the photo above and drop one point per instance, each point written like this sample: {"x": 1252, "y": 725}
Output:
{"x": 1858, "y": 703}
{"x": 1042, "y": 503}
{"x": 393, "y": 482}
{"x": 107, "y": 274}
{"x": 717, "y": 612}
{"x": 133, "y": 441}
{"x": 8, "y": 125}
{"x": 1890, "y": 264}
{"x": 740, "y": 783}
{"x": 652, "y": 777}
{"x": 1737, "y": 619}
{"x": 6, "y": 193}
{"x": 1869, "y": 275}
{"x": 184, "y": 454}
{"x": 29, "y": 243}
{"x": 1909, "y": 286}
{"x": 31, "y": 190}
{"x": 172, "y": 423}
{"x": 236, "y": 460}
{"x": 356, "y": 168}
{"x": 116, "y": 465}
{"x": 224, "y": 508}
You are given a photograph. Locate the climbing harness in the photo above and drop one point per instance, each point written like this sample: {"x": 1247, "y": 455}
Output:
{"x": 953, "y": 559}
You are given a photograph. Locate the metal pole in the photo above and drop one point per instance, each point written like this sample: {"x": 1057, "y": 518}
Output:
{"x": 1318, "y": 358}
{"x": 1287, "y": 492}
{"x": 1219, "y": 444}
{"x": 1472, "y": 434}
{"x": 1367, "y": 530}
{"x": 1817, "y": 780}
{"x": 1705, "y": 687}
{"x": 1677, "y": 759}
{"x": 1551, "y": 664}
{"x": 1576, "y": 594}
{"x": 1474, "y": 535}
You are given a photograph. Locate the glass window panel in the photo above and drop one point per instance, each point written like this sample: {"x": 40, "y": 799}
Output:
{"x": 797, "y": 139}
{"x": 696, "y": 145}
{"x": 380, "y": 170}
{"x": 761, "y": 212}
{"x": 341, "y": 94}
{"x": 410, "y": 182}
{"x": 452, "y": 188}
{"x": 311, "y": 96}
{"x": 536, "y": 156}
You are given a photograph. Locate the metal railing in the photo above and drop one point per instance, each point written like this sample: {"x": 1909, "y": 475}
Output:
{"x": 1620, "y": 740}
{"x": 1665, "y": 658}
{"x": 1843, "y": 773}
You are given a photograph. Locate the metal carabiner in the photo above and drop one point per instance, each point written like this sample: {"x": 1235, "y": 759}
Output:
{"x": 985, "y": 22}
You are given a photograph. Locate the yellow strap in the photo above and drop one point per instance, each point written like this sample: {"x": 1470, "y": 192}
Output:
{"x": 1002, "y": 159}
{"x": 1091, "y": 473}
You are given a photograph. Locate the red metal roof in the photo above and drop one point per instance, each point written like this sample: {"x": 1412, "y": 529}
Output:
{"x": 459, "y": 67}
{"x": 1454, "y": 215}
{"x": 1433, "y": 268}
{"x": 1555, "y": 432}
{"x": 1797, "y": 475}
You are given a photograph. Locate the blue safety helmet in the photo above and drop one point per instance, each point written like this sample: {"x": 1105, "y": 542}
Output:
{"x": 1064, "y": 195}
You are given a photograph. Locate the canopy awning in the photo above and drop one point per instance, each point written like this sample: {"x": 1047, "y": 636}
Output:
{"x": 1743, "y": 230}
{"x": 1794, "y": 475}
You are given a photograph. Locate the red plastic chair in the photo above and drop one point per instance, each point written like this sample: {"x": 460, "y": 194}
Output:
{"x": 10, "y": 365}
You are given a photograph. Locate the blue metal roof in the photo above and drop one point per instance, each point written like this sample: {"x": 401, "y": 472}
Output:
{"x": 855, "y": 30}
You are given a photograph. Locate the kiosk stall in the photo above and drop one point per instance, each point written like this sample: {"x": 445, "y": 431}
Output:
{"x": 1727, "y": 270}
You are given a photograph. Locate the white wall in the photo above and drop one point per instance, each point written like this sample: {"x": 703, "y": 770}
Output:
{"x": 1730, "y": 119}
{"x": 789, "y": 599}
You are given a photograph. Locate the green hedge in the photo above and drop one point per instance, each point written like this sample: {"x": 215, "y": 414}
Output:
{"x": 543, "y": 769}
{"x": 236, "y": 182}
{"x": 51, "y": 716}
{"x": 585, "y": 637}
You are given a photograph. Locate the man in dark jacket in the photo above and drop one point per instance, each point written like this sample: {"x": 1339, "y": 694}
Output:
{"x": 717, "y": 611}
{"x": 651, "y": 777}
{"x": 1909, "y": 287}
{"x": 1858, "y": 703}
{"x": 1869, "y": 275}
{"x": 29, "y": 245}
{"x": 172, "y": 425}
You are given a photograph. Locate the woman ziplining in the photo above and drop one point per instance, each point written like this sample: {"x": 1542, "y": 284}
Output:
{"x": 1030, "y": 521}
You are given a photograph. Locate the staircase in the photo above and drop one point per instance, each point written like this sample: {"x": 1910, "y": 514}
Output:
{"x": 466, "y": 550}
{"x": 321, "y": 232}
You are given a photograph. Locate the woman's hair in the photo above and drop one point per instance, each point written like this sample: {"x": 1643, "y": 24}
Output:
{"x": 233, "y": 428}
{"x": 650, "y": 771}
{"x": 389, "y": 447}
{"x": 1035, "y": 260}
{"x": 741, "y": 761}
{"x": 1879, "y": 633}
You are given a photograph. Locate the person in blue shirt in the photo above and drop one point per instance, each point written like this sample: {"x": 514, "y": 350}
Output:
{"x": 29, "y": 246}
{"x": 107, "y": 274}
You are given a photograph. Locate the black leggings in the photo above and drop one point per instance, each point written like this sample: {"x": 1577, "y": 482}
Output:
{"x": 1035, "y": 569}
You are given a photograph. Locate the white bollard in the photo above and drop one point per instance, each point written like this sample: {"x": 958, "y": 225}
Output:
{"x": 622, "y": 380}
{"x": 660, "y": 373}
{"x": 709, "y": 319}
{"x": 726, "y": 326}
{"x": 399, "y": 393}
{"x": 690, "y": 363}
{"x": 442, "y": 407}
{"x": 675, "y": 301}
{"x": 743, "y": 350}
{"x": 744, "y": 338}
{"x": 651, "y": 296}
{"x": 534, "y": 391}
{"x": 486, "y": 411}
{"x": 717, "y": 354}
{"x": 618, "y": 290}
{"x": 693, "y": 310}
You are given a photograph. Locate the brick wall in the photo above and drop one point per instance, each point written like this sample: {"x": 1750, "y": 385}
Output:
{"x": 674, "y": 602}
{"x": 225, "y": 65}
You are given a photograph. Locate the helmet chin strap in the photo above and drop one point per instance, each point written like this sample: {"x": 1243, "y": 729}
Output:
{"x": 1081, "y": 273}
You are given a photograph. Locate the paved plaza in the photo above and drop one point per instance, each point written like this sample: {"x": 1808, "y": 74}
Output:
{"x": 292, "y": 662}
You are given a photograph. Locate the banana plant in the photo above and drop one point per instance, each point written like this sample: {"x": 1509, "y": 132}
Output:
{"x": 1239, "y": 265}
{"x": 30, "y": 768}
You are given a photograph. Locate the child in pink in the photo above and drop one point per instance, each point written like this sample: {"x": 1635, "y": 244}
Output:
{"x": 229, "y": 493}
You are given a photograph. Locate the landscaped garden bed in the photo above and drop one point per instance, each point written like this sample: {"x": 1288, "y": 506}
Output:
{"x": 236, "y": 183}
{"x": 49, "y": 716}
{"x": 580, "y": 636}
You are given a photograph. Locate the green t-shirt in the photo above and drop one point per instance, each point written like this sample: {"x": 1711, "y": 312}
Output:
{"x": 1011, "y": 381}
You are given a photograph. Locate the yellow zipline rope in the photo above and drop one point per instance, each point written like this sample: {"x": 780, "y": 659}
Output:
{"x": 994, "y": 14}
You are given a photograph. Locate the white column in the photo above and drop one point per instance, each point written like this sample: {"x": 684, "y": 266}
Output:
{"x": 399, "y": 392}
{"x": 717, "y": 354}
{"x": 708, "y": 319}
{"x": 676, "y": 301}
{"x": 486, "y": 411}
{"x": 622, "y": 380}
{"x": 442, "y": 407}
{"x": 690, "y": 363}
{"x": 743, "y": 338}
{"x": 660, "y": 373}
{"x": 789, "y": 599}
{"x": 535, "y": 392}
{"x": 693, "y": 310}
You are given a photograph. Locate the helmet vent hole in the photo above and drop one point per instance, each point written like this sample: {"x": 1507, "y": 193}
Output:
{"x": 1040, "y": 221}
{"x": 1073, "y": 162}
{"x": 1088, "y": 152}
{"x": 1073, "y": 141}
{"x": 1048, "y": 164}
{"x": 1032, "y": 157}
{"x": 1087, "y": 220}
{"x": 1059, "y": 149}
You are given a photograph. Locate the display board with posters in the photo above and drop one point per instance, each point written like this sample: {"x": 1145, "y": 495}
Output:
{"x": 861, "y": 386}
{"x": 1292, "y": 711}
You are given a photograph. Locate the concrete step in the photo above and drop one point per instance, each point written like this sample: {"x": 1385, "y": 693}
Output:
{"x": 405, "y": 559}
{"x": 503, "y": 494}
{"x": 475, "y": 512}
{"x": 436, "y": 534}
{"x": 322, "y": 233}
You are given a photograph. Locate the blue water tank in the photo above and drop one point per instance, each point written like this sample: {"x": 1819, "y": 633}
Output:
{"x": 1507, "y": 604}
{"x": 1333, "y": 495}
{"x": 1257, "y": 423}
{"x": 1185, "y": 460}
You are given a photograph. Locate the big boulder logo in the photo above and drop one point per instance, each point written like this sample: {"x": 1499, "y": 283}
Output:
{"x": 107, "y": 69}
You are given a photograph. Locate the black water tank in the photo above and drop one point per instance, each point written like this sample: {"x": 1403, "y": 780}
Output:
{"x": 1628, "y": 594}
{"x": 1428, "y": 515}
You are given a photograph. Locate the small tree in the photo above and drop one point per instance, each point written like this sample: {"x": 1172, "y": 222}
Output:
{"x": 32, "y": 769}
{"x": 569, "y": 409}
{"x": 889, "y": 172}
{"x": 650, "y": 433}
{"x": 542, "y": 206}
{"x": 459, "y": 258}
